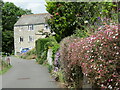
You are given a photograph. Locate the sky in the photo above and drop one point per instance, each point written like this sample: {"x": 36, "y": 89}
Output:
{"x": 37, "y": 6}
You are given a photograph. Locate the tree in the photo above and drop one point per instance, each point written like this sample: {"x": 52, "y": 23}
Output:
{"x": 63, "y": 18}
{"x": 10, "y": 15}
{"x": 1, "y": 4}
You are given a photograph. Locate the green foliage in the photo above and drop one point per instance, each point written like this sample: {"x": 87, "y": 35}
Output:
{"x": 54, "y": 50}
{"x": 50, "y": 67}
{"x": 61, "y": 76}
{"x": 80, "y": 19}
{"x": 4, "y": 66}
{"x": 5, "y": 69}
{"x": 43, "y": 57}
{"x": 80, "y": 33}
{"x": 50, "y": 44}
{"x": 1, "y": 3}
{"x": 63, "y": 21}
{"x": 95, "y": 15}
{"x": 10, "y": 15}
{"x": 42, "y": 46}
{"x": 7, "y": 41}
{"x": 66, "y": 17}
{"x": 33, "y": 51}
{"x": 54, "y": 46}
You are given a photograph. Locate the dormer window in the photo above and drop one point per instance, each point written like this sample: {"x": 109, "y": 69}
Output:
{"x": 30, "y": 27}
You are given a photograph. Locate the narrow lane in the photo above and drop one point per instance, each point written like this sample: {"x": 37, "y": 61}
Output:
{"x": 27, "y": 74}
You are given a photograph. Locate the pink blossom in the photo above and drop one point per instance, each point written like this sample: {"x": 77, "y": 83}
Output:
{"x": 92, "y": 60}
{"x": 100, "y": 71}
{"x": 102, "y": 43}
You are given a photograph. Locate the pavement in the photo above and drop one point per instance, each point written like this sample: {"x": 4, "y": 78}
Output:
{"x": 27, "y": 74}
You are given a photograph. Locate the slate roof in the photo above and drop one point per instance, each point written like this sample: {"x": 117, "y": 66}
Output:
{"x": 32, "y": 19}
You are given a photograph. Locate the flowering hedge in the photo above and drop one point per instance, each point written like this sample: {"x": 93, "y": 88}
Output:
{"x": 97, "y": 55}
{"x": 71, "y": 74}
{"x": 57, "y": 62}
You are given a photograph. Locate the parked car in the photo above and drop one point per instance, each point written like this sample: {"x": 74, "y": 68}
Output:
{"x": 24, "y": 50}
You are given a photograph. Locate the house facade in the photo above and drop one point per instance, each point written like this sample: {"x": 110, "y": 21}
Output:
{"x": 28, "y": 29}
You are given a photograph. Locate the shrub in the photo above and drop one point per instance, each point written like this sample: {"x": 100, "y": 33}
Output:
{"x": 33, "y": 51}
{"x": 43, "y": 57}
{"x": 55, "y": 48}
{"x": 4, "y": 66}
{"x": 68, "y": 71}
{"x": 97, "y": 56}
{"x": 56, "y": 65}
{"x": 50, "y": 67}
{"x": 42, "y": 46}
{"x": 29, "y": 55}
{"x": 53, "y": 69}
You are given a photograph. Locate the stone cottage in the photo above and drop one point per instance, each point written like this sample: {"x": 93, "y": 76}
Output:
{"x": 28, "y": 29}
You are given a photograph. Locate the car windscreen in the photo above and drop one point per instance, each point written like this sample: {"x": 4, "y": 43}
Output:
{"x": 25, "y": 49}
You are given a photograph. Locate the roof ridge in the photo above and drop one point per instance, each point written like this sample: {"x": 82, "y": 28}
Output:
{"x": 35, "y": 14}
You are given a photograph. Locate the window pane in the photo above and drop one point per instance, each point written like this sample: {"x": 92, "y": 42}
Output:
{"x": 30, "y": 38}
{"x": 21, "y": 39}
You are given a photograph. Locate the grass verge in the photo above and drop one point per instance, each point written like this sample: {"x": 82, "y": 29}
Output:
{"x": 5, "y": 70}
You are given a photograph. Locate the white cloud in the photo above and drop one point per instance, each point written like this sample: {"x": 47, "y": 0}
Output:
{"x": 37, "y": 6}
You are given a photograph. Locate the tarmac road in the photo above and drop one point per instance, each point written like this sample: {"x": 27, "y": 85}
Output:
{"x": 27, "y": 74}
